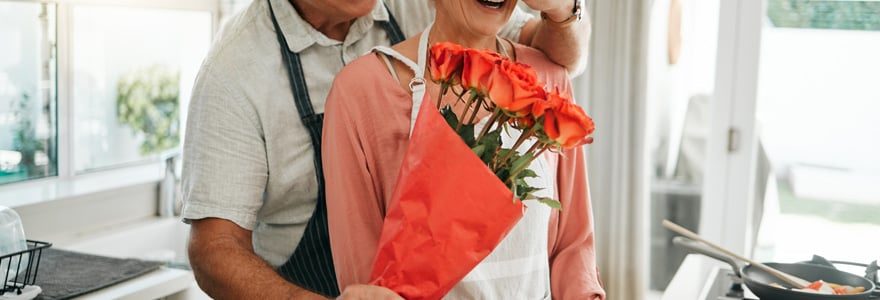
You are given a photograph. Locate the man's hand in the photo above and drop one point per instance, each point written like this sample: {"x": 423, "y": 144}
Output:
{"x": 368, "y": 292}
{"x": 556, "y": 10}
{"x": 566, "y": 45}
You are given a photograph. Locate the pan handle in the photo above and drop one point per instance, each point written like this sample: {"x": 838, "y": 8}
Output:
{"x": 695, "y": 247}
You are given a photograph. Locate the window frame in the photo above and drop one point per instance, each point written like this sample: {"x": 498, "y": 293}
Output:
{"x": 67, "y": 183}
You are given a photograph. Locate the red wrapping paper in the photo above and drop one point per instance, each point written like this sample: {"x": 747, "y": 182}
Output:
{"x": 448, "y": 212}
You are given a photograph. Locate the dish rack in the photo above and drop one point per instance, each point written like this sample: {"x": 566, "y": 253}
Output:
{"x": 16, "y": 282}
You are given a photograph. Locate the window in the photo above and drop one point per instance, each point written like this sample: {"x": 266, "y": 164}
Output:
{"x": 133, "y": 71}
{"x": 28, "y": 139}
{"x": 833, "y": 14}
{"x": 94, "y": 85}
{"x": 817, "y": 107}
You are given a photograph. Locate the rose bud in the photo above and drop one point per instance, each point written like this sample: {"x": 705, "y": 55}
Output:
{"x": 445, "y": 62}
{"x": 567, "y": 124}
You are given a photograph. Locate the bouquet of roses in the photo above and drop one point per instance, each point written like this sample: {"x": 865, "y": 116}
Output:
{"x": 449, "y": 211}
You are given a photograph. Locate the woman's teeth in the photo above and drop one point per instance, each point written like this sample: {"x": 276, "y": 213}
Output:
{"x": 492, "y": 3}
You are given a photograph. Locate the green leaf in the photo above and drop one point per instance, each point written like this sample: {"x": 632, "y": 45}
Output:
{"x": 527, "y": 173}
{"x": 520, "y": 162}
{"x": 467, "y": 134}
{"x": 449, "y": 116}
{"x": 502, "y": 174}
{"x": 479, "y": 149}
{"x": 492, "y": 141}
{"x": 552, "y": 203}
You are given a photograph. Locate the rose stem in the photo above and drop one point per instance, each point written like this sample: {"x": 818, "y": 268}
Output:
{"x": 467, "y": 107}
{"x": 443, "y": 88}
{"x": 476, "y": 109}
{"x": 489, "y": 124}
{"x": 525, "y": 165}
{"x": 522, "y": 138}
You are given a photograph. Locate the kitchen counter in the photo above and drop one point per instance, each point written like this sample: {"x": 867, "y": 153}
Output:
{"x": 156, "y": 239}
{"x": 160, "y": 283}
{"x": 690, "y": 281}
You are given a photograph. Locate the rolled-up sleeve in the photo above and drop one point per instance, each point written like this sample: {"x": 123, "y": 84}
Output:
{"x": 515, "y": 25}
{"x": 224, "y": 160}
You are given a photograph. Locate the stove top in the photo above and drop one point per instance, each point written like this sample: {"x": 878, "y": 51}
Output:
{"x": 724, "y": 285}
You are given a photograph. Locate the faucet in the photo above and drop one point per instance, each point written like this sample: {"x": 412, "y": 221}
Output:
{"x": 168, "y": 186}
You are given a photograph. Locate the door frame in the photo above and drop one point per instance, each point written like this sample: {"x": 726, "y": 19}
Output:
{"x": 728, "y": 196}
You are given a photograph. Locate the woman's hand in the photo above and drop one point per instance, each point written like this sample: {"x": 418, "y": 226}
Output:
{"x": 367, "y": 292}
{"x": 556, "y": 10}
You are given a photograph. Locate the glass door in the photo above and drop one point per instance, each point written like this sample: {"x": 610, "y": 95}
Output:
{"x": 797, "y": 99}
{"x": 681, "y": 59}
{"x": 817, "y": 105}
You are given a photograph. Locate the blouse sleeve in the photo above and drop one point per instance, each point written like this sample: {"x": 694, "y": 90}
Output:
{"x": 353, "y": 207}
{"x": 573, "y": 271}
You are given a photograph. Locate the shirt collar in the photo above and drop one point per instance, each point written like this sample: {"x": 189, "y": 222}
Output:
{"x": 301, "y": 35}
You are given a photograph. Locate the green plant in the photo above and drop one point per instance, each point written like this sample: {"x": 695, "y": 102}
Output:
{"x": 833, "y": 14}
{"x": 25, "y": 138}
{"x": 148, "y": 102}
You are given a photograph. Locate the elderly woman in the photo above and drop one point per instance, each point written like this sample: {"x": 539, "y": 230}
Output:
{"x": 368, "y": 118}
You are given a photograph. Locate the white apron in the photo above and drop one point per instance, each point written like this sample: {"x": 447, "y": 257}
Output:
{"x": 519, "y": 267}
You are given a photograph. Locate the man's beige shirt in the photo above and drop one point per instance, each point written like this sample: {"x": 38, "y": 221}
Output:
{"x": 247, "y": 156}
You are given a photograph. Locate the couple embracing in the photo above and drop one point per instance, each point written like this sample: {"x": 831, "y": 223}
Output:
{"x": 294, "y": 143}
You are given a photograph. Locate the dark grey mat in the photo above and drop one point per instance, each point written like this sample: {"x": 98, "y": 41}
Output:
{"x": 65, "y": 274}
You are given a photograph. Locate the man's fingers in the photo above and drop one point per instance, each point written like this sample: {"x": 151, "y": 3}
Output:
{"x": 365, "y": 292}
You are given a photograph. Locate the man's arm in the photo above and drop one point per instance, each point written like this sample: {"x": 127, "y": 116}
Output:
{"x": 226, "y": 267}
{"x": 567, "y": 44}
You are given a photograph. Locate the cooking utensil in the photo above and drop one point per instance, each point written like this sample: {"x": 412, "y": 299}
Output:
{"x": 787, "y": 278}
{"x": 759, "y": 281}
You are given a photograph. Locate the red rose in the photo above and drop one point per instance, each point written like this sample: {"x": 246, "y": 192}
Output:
{"x": 446, "y": 62}
{"x": 477, "y": 68}
{"x": 566, "y": 123}
{"x": 514, "y": 87}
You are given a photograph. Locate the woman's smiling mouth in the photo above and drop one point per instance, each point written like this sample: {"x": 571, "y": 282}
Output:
{"x": 496, "y": 4}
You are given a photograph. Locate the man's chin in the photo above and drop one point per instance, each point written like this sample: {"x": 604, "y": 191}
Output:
{"x": 359, "y": 9}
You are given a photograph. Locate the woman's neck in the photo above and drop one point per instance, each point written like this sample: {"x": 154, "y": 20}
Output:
{"x": 443, "y": 31}
{"x": 334, "y": 28}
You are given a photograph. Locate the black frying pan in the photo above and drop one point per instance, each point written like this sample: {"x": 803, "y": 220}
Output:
{"x": 759, "y": 282}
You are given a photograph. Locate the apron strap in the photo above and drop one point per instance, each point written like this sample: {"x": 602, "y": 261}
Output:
{"x": 394, "y": 54}
{"x": 391, "y": 28}
{"x": 311, "y": 264}
{"x": 417, "y": 84}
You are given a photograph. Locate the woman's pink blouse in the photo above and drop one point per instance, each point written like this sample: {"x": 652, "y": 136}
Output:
{"x": 366, "y": 129}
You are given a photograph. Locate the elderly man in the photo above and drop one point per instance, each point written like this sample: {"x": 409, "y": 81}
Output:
{"x": 253, "y": 184}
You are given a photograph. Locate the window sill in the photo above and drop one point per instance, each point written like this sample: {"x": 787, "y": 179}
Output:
{"x": 53, "y": 189}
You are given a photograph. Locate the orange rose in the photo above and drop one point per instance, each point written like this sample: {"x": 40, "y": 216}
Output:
{"x": 446, "y": 62}
{"x": 567, "y": 124}
{"x": 552, "y": 101}
{"x": 514, "y": 88}
{"x": 477, "y": 69}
